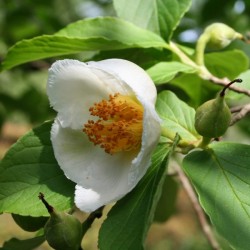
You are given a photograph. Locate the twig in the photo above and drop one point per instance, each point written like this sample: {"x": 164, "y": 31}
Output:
{"x": 88, "y": 222}
{"x": 241, "y": 112}
{"x": 236, "y": 109}
{"x": 203, "y": 72}
{"x": 225, "y": 81}
{"x": 199, "y": 211}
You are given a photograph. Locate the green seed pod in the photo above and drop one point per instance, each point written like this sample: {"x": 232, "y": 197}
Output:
{"x": 62, "y": 230}
{"x": 213, "y": 117}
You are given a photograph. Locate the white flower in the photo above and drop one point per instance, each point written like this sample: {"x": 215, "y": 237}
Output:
{"x": 106, "y": 127}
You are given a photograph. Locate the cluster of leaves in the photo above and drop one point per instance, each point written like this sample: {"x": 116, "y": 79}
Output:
{"x": 141, "y": 33}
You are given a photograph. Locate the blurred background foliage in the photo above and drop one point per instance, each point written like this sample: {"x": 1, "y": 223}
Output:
{"x": 23, "y": 97}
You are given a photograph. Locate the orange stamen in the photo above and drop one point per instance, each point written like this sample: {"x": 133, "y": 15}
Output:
{"x": 120, "y": 125}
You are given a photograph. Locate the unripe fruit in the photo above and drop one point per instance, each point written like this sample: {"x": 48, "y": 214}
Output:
{"x": 213, "y": 117}
{"x": 62, "y": 230}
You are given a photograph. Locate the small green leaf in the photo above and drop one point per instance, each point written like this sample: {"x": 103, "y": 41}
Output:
{"x": 165, "y": 71}
{"x": 129, "y": 219}
{"x": 227, "y": 63}
{"x": 177, "y": 116}
{"x": 29, "y": 223}
{"x": 104, "y": 33}
{"x": 28, "y": 168}
{"x": 221, "y": 177}
{"x": 28, "y": 244}
{"x": 159, "y": 16}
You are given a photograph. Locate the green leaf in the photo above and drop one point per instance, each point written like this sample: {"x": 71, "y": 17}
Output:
{"x": 28, "y": 244}
{"x": 28, "y": 168}
{"x": 245, "y": 84}
{"x": 159, "y": 16}
{"x": 177, "y": 116}
{"x": 29, "y": 223}
{"x": 104, "y": 33}
{"x": 165, "y": 71}
{"x": 129, "y": 219}
{"x": 167, "y": 201}
{"x": 221, "y": 177}
{"x": 227, "y": 63}
{"x": 143, "y": 57}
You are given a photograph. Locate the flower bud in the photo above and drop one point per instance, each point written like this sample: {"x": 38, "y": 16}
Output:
{"x": 213, "y": 117}
{"x": 220, "y": 35}
{"x": 62, "y": 230}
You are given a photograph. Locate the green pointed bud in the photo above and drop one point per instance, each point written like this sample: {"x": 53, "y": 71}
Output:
{"x": 62, "y": 230}
{"x": 213, "y": 117}
{"x": 220, "y": 35}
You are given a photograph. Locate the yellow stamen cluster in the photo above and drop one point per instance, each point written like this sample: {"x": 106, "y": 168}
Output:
{"x": 120, "y": 125}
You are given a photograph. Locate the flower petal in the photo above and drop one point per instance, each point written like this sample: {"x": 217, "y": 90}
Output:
{"x": 87, "y": 200}
{"x": 150, "y": 137}
{"x": 132, "y": 74}
{"x": 88, "y": 165}
{"x": 74, "y": 86}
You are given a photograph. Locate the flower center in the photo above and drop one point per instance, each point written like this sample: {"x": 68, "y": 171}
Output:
{"x": 120, "y": 125}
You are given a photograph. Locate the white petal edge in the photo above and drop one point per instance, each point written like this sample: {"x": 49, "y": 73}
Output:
{"x": 132, "y": 74}
{"x": 87, "y": 200}
{"x": 73, "y": 87}
{"x": 150, "y": 137}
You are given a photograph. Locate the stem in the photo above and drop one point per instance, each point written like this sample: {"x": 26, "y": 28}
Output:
{"x": 183, "y": 57}
{"x": 200, "y": 49}
{"x": 182, "y": 143}
{"x": 199, "y": 211}
{"x": 222, "y": 93}
{"x": 167, "y": 133}
{"x": 241, "y": 111}
{"x": 46, "y": 204}
{"x": 202, "y": 71}
{"x": 205, "y": 141}
{"x": 224, "y": 82}
{"x": 89, "y": 221}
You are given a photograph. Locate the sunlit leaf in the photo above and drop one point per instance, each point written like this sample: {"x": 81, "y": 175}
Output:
{"x": 159, "y": 16}
{"x": 221, "y": 177}
{"x": 176, "y": 115}
{"x": 165, "y": 71}
{"x": 104, "y": 33}
{"x": 28, "y": 168}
